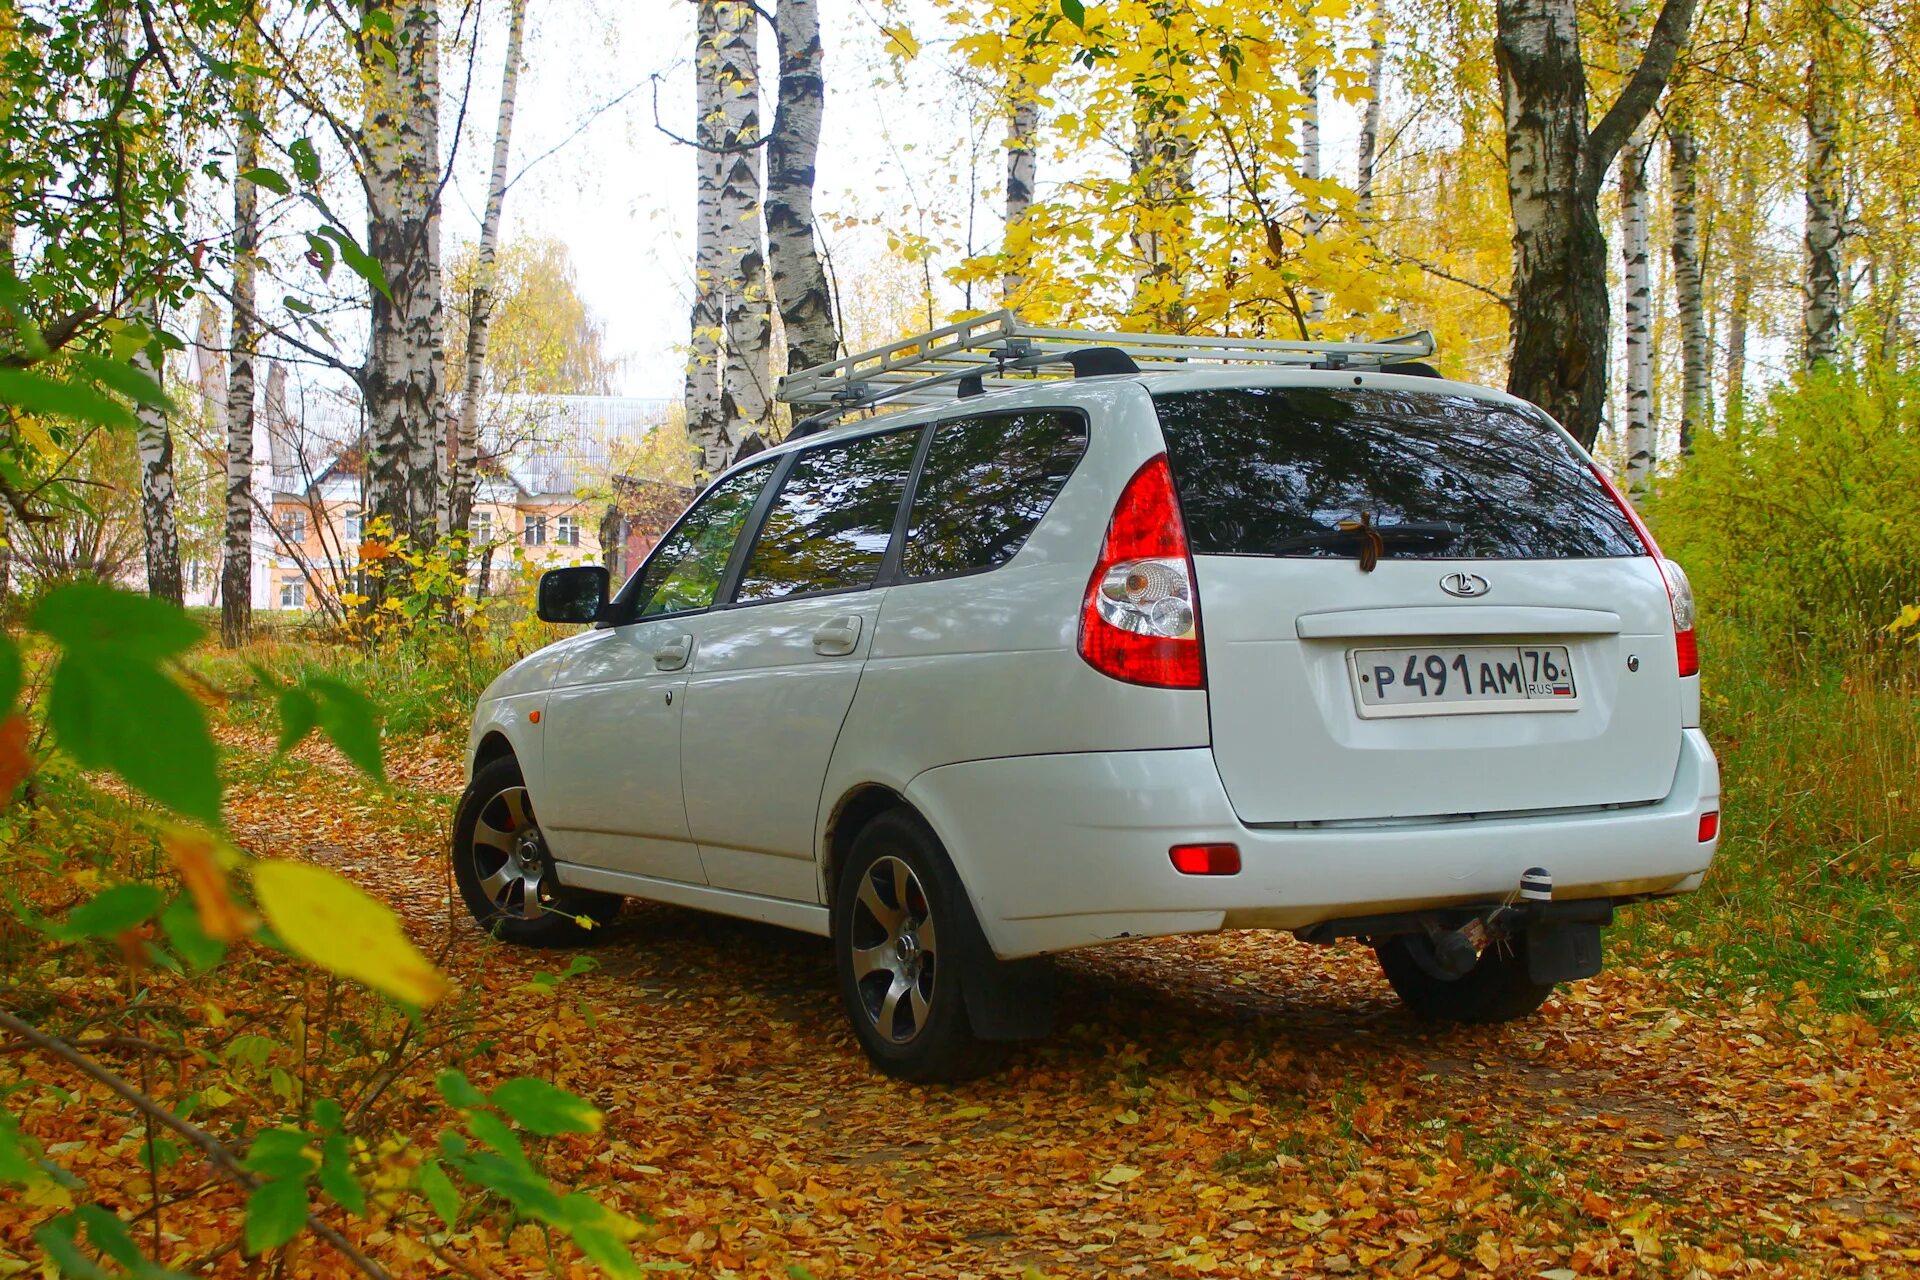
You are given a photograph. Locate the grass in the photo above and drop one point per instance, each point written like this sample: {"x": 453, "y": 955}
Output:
{"x": 1814, "y": 889}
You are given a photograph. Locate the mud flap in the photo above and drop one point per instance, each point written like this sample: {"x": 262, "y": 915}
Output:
{"x": 1009, "y": 999}
{"x": 1560, "y": 951}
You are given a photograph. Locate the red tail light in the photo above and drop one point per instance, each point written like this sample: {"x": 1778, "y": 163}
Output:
{"x": 1679, "y": 590}
{"x": 1141, "y": 619}
{"x": 1709, "y": 825}
{"x": 1206, "y": 859}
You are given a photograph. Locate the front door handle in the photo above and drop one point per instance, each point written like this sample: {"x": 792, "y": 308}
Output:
{"x": 673, "y": 654}
{"x": 838, "y": 637}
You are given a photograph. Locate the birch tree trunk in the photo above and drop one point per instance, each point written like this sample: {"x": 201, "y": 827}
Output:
{"x": 1555, "y": 168}
{"x": 1821, "y": 338}
{"x": 1161, "y": 173}
{"x": 402, "y": 379}
{"x": 1683, "y": 180}
{"x": 1741, "y": 302}
{"x": 236, "y": 561}
{"x": 706, "y": 421}
{"x": 799, "y": 283}
{"x": 746, "y": 386}
{"x": 1639, "y": 314}
{"x": 1316, "y": 220}
{"x": 1023, "y": 135}
{"x": 1370, "y": 120}
{"x": 157, "y": 497}
{"x": 466, "y": 450}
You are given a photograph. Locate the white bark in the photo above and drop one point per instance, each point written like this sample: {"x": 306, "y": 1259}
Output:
{"x": 154, "y": 437}
{"x": 1161, "y": 170}
{"x": 403, "y": 377}
{"x": 466, "y": 451}
{"x": 1638, "y": 316}
{"x": 210, "y": 367}
{"x": 706, "y": 422}
{"x": 1683, "y": 158}
{"x": 1023, "y": 136}
{"x": 1740, "y": 303}
{"x": 1821, "y": 341}
{"x": 799, "y": 282}
{"x": 236, "y": 562}
{"x": 1370, "y": 124}
{"x": 746, "y": 387}
{"x": 1310, "y": 170}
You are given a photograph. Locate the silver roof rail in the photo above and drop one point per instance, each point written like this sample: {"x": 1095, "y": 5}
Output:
{"x": 987, "y": 352}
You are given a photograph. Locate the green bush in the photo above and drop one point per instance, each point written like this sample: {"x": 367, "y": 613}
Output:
{"x": 1800, "y": 526}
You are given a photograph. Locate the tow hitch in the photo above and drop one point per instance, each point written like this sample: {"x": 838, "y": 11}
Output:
{"x": 1561, "y": 944}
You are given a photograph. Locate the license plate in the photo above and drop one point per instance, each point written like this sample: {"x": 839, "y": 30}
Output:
{"x": 1444, "y": 680}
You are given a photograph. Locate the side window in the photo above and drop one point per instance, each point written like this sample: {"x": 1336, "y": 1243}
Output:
{"x": 830, "y": 525}
{"x": 684, "y": 572}
{"x": 985, "y": 485}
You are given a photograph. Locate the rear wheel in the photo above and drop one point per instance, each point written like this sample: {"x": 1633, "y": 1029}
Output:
{"x": 503, "y": 869}
{"x": 903, "y": 932}
{"x": 1496, "y": 989}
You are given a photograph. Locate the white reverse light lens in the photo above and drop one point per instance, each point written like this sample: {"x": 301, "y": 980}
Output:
{"x": 1150, "y": 597}
{"x": 1682, "y": 592}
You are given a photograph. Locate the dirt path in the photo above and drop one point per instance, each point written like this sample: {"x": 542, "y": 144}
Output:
{"x": 1230, "y": 1105}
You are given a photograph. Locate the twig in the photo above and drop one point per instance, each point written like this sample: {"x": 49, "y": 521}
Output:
{"x": 212, "y": 1147}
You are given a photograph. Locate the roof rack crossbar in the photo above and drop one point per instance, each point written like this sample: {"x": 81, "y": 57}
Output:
{"x": 982, "y": 351}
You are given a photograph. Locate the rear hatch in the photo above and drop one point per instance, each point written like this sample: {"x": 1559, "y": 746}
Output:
{"x": 1417, "y": 604}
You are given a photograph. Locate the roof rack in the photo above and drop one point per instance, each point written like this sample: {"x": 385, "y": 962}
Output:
{"x": 997, "y": 351}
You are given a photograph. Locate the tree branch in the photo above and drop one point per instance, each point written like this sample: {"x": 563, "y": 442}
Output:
{"x": 1649, "y": 80}
{"x": 215, "y": 1150}
{"x": 721, "y": 148}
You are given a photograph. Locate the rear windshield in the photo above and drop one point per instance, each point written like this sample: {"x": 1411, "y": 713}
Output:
{"x": 1288, "y": 471}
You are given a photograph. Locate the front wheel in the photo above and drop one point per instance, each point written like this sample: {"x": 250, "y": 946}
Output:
{"x": 903, "y": 932}
{"x": 1496, "y": 989}
{"x": 503, "y": 869}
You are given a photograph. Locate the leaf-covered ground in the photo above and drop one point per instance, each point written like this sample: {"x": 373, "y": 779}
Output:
{"x": 1231, "y": 1105}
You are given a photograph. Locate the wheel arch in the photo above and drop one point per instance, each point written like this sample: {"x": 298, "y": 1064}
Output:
{"x": 858, "y": 806}
{"x": 492, "y": 746}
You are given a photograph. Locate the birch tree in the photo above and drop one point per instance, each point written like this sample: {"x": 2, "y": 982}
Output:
{"x": 466, "y": 452}
{"x": 1683, "y": 184}
{"x": 706, "y": 420}
{"x": 1316, "y": 220}
{"x": 1636, "y": 276}
{"x": 1555, "y": 169}
{"x": 745, "y": 392}
{"x": 1820, "y": 343}
{"x": 402, "y": 379}
{"x": 158, "y": 497}
{"x": 1161, "y": 169}
{"x": 799, "y": 282}
{"x": 1023, "y": 136}
{"x": 236, "y": 561}
{"x": 1369, "y": 145}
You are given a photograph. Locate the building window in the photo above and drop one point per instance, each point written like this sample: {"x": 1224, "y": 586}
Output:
{"x": 534, "y": 532}
{"x": 566, "y": 531}
{"x": 351, "y": 529}
{"x": 293, "y": 526}
{"x": 480, "y": 528}
{"x": 293, "y": 594}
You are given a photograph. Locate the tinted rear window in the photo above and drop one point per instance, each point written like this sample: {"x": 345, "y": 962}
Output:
{"x": 1277, "y": 471}
{"x": 986, "y": 483}
{"x": 829, "y": 525}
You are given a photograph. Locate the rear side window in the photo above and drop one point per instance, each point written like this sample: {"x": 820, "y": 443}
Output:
{"x": 985, "y": 485}
{"x": 830, "y": 523}
{"x": 684, "y": 571}
{"x": 1277, "y": 471}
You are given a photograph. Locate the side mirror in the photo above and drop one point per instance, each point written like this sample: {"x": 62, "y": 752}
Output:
{"x": 574, "y": 594}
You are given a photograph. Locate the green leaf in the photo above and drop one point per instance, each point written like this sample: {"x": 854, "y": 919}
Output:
{"x": 320, "y": 254}
{"x": 140, "y": 628}
{"x": 298, "y": 716}
{"x": 438, "y": 1189}
{"x": 544, "y": 1108}
{"x": 347, "y": 717}
{"x": 328, "y": 1115}
{"x": 56, "y": 1240}
{"x": 280, "y": 1153}
{"x": 458, "y": 1090}
{"x": 492, "y": 1131}
{"x": 269, "y": 179}
{"x": 275, "y": 1213}
{"x": 306, "y": 161}
{"x": 336, "y": 1176}
{"x": 36, "y": 393}
{"x": 10, "y": 675}
{"x": 130, "y": 382}
{"x": 115, "y": 714}
{"x": 111, "y": 911}
{"x": 358, "y": 261}
{"x": 1074, "y": 12}
{"x": 107, "y": 1232}
{"x": 181, "y": 923}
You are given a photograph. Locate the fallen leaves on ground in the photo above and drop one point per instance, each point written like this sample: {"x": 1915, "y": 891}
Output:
{"x": 1235, "y": 1105}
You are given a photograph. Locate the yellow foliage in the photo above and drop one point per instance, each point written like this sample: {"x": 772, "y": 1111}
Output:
{"x": 337, "y": 925}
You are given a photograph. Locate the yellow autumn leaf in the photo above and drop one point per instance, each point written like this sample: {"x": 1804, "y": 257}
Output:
{"x": 338, "y": 926}
{"x": 900, "y": 43}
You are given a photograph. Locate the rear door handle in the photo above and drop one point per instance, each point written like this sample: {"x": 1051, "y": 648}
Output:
{"x": 838, "y": 637}
{"x": 673, "y": 655}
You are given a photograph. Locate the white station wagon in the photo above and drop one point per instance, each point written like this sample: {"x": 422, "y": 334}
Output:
{"x": 1211, "y": 634}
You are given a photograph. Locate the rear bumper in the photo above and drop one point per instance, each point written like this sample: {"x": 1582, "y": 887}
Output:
{"x": 1067, "y": 851}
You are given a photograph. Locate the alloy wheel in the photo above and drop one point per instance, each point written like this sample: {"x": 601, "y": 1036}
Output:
{"x": 895, "y": 950}
{"x": 509, "y": 855}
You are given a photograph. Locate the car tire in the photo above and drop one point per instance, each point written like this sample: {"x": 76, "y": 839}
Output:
{"x": 903, "y": 934}
{"x": 1496, "y": 989}
{"x": 505, "y": 873}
